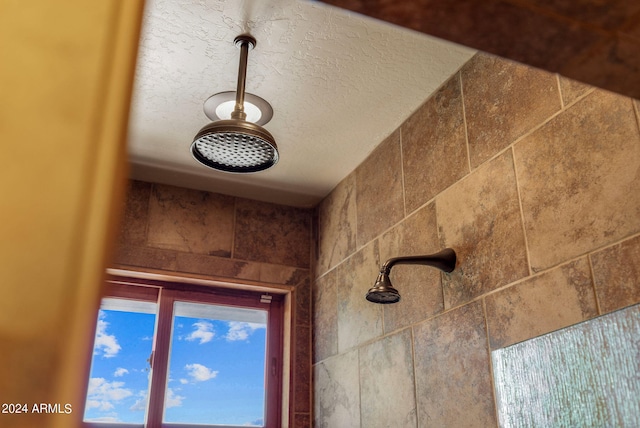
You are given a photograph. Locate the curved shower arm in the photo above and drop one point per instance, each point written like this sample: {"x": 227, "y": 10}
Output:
{"x": 444, "y": 260}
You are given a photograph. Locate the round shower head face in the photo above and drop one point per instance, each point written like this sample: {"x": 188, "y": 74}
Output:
{"x": 383, "y": 292}
{"x": 383, "y": 296}
{"x": 235, "y": 146}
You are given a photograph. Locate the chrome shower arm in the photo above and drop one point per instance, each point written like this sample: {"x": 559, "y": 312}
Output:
{"x": 444, "y": 260}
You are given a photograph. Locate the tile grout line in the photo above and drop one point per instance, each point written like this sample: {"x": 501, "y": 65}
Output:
{"x": 415, "y": 379}
{"x": 491, "y": 374}
{"x": 464, "y": 122}
{"x": 593, "y": 284}
{"x": 359, "y": 387}
{"x": 562, "y": 106}
{"x": 636, "y": 107}
{"x": 404, "y": 193}
{"x": 524, "y": 229}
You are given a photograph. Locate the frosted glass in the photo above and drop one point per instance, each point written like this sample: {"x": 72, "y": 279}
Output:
{"x": 585, "y": 375}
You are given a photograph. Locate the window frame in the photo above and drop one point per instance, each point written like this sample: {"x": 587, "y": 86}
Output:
{"x": 165, "y": 293}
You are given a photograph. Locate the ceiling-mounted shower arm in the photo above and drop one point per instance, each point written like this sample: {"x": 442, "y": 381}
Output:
{"x": 444, "y": 260}
{"x": 245, "y": 42}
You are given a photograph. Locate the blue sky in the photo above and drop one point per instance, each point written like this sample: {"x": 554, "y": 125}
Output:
{"x": 216, "y": 370}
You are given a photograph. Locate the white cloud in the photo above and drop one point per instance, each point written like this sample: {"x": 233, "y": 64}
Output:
{"x": 141, "y": 404}
{"x": 107, "y": 343}
{"x": 241, "y": 330}
{"x": 101, "y": 405}
{"x": 200, "y": 373}
{"x": 173, "y": 400}
{"x": 184, "y": 381}
{"x": 120, "y": 372}
{"x": 203, "y": 332}
{"x": 102, "y": 393}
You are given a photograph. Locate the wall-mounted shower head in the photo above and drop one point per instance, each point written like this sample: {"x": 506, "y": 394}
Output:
{"x": 383, "y": 292}
{"x": 236, "y": 145}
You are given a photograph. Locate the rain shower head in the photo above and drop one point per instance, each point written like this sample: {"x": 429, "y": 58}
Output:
{"x": 383, "y": 292}
{"x": 236, "y": 145}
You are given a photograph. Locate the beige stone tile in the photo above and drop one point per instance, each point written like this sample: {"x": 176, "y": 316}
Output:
{"x": 387, "y": 391}
{"x": 358, "y": 319}
{"x": 453, "y": 378}
{"x": 616, "y": 272}
{"x": 272, "y": 233}
{"x": 337, "y": 225}
{"x": 151, "y": 258}
{"x": 325, "y": 317}
{"x": 337, "y": 392}
{"x": 434, "y": 146}
{"x": 503, "y": 100}
{"x": 190, "y": 221}
{"x": 539, "y": 305}
{"x": 479, "y": 217}
{"x": 572, "y": 89}
{"x": 379, "y": 199}
{"x": 279, "y": 274}
{"x": 579, "y": 177}
{"x": 420, "y": 287}
{"x": 303, "y": 303}
{"x": 217, "y": 267}
{"x": 133, "y": 224}
{"x": 302, "y": 369}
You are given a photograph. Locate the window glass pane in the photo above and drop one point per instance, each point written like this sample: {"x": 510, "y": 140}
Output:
{"x": 119, "y": 379}
{"x": 217, "y": 366}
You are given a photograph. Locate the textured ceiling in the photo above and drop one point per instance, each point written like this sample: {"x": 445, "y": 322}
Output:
{"x": 339, "y": 84}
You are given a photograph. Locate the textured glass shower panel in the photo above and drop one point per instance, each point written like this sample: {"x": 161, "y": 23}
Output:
{"x": 586, "y": 375}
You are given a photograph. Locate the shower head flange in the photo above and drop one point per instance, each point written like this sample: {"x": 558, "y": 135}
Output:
{"x": 247, "y": 39}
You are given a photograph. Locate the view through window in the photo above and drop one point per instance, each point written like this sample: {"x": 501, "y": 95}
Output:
{"x": 177, "y": 358}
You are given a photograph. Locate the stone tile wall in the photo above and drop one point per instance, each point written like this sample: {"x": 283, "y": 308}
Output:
{"x": 534, "y": 180}
{"x": 185, "y": 232}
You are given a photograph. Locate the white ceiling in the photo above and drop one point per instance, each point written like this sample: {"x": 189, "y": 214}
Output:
{"x": 339, "y": 83}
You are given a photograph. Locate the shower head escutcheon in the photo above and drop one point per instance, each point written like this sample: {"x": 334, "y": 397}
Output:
{"x": 235, "y": 144}
{"x": 383, "y": 292}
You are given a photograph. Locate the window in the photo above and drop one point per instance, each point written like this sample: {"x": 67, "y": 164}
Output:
{"x": 176, "y": 355}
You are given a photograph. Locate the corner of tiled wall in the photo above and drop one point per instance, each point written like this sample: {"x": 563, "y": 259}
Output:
{"x": 532, "y": 178}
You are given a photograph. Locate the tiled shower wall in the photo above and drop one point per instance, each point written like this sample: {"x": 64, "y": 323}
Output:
{"x": 182, "y": 232}
{"x": 534, "y": 180}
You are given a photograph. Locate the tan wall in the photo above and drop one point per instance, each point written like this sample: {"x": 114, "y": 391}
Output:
{"x": 533, "y": 179}
{"x": 185, "y": 232}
